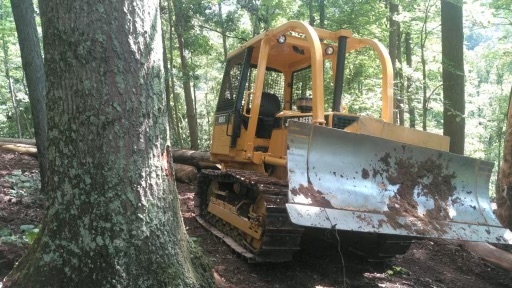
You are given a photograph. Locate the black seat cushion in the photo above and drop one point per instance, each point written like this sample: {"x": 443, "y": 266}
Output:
{"x": 269, "y": 107}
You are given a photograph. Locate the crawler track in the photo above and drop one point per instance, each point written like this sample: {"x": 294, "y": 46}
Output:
{"x": 280, "y": 238}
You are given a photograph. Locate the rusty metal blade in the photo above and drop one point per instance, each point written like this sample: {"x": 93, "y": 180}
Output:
{"x": 351, "y": 181}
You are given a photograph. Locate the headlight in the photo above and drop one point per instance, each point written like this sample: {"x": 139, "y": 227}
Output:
{"x": 329, "y": 50}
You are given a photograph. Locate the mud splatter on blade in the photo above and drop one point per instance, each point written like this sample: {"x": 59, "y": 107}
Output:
{"x": 351, "y": 181}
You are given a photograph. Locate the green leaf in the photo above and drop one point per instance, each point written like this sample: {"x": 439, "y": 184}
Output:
{"x": 31, "y": 235}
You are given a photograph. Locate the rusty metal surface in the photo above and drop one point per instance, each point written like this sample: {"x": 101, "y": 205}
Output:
{"x": 357, "y": 182}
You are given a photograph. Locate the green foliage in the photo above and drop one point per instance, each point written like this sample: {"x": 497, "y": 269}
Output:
{"x": 27, "y": 235}
{"x": 397, "y": 271}
{"x": 29, "y": 232}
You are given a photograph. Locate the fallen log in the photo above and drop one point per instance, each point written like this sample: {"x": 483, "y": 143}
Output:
{"x": 18, "y": 141}
{"x": 198, "y": 159}
{"x": 21, "y": 148}
{"x": 490, "y": 254}
{"x": 185, "y": 173}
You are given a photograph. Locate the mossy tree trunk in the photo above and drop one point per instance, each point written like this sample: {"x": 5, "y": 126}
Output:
{"x": 113, "y": 218}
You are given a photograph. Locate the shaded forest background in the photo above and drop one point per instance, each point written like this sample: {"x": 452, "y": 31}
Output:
{"x": 199, "y": 34}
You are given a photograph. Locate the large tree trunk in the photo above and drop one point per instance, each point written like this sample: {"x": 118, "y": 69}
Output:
{"x": 32, "y": 62}
{"x": 453, "y": 74}
{"x": 113, "y": 218}
{"x": 179, "y": 28}
{"x": 504, "y": 187}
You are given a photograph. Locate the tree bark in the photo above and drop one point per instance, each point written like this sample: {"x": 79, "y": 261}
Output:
{"x": 32, "y": 62}
{"x": 504, "y": 187}
{"x": 179, "y": 28}
{"x": 453, "y": 74}
{"x": 113, "y": 217}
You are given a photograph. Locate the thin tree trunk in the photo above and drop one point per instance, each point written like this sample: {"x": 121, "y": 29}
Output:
{"x": 170, "y": 118}
{"x": 453, "y": 74}
{"x": 207, "y": 112}
{"x": 423, "y": 41}
{"x": 223, "y": 30}
{"x": 175, "y": 96}
{"x": 187, "y": 89}
{"x": 194, "y": 92}
{"x": 9, "y": 83}
{"x": 15, "y": 107}
{"x": 113, "y": 216}
{"x": 321, "y": 12}
{"x": 400, "y": 78}
{"x": 32, "y": 62}
{"x": 392, "y": 46}
{"x": 408, "y": 92}
{"x": 311, "y": 13}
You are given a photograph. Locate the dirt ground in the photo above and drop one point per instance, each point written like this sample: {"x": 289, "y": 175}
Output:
{"x": 319, "y": 264}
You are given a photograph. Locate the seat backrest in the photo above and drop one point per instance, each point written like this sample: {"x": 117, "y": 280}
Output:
{"x": 270, "y": 105}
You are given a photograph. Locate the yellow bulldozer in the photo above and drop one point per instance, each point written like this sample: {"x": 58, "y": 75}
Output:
{"x": 290, "y": 161}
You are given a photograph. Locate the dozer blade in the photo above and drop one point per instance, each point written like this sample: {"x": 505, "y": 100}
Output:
{"x": 349, "y": 181}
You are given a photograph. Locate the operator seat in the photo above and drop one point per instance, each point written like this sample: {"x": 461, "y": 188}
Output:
{"x": 269, "y": 107}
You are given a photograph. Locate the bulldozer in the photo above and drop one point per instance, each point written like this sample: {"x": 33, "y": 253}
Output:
{"x": 289, "y": 161}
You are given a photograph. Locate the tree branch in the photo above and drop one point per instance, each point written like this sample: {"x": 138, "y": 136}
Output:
{"x": 220, "y": 32}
